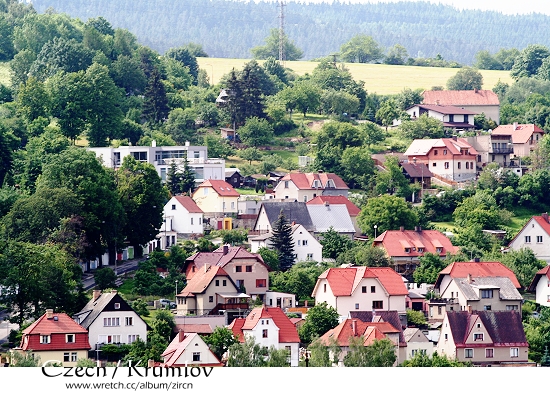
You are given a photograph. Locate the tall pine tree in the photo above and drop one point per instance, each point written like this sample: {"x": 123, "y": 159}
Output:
{"x": 282, "y": 242}
{"x": 155, "y": 107}
{"x": 187, "y": 179}
{"x": 173, "y": 180}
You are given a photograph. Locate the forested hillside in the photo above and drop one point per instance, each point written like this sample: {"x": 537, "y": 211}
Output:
{"x": 229, "y": 29}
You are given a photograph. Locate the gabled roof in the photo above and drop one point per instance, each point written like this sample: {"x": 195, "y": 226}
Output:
{"x": 294, "y": 211}
{"x": 444, "y": 109}
{"x": 408, "y": 333}
{"x": 94, "y": 308}
{"x": 344, "y": 280}
{"x": 287, "y": 330}
{"x": 268, "y": 235}
{"x": 178, "y": 346}
{"x": 542, "y": 220}
{"x": 204, "y": 329}
{"x": 221, "y": 187}
{"x": 236, "y": 327}
{"x": 470, "y": 289}
{"x": 202, "y": 279}
{"x": 388, "y": 316}
{"x": 460, "y": 97}
{"x": 325, "y": 216}
{"x": 394, "y": 243}
{"x": 350, "y": 328}
{"x": 218, "y": 258}
{"x": 504, "y": 327}
{"x": 352, "y": 208}
{"x": 306, "y": 181}
{"x": 421, "y": 147}
{"x": 477, "y": 269}
{"x": 51, "y": 324}
{"x": 520, "y": 133}
{"x": 418, "y": 170}
{"x": 189, "y": 204}
{"x": 545, "y": 271}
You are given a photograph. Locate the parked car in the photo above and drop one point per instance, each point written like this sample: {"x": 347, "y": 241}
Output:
{"x": 167, "y": 304}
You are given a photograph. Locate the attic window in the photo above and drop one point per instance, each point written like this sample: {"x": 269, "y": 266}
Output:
{"x": 444, "y": 151}
{"x": 117, "y": 305}
{"x": 407, "y": 250}
{"x": 438, "y": 250}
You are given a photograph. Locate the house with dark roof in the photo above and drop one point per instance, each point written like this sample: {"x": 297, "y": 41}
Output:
{"x": 351, "y": 328}
{"x": 359, "y": 288}
{"x": 417, "y": 173}
{"x": 486, "y": 338}
{"x": 294, "y": 211}
{"x": 57, "y": 339}
{"x": 246, "y": 270}
{"x": 305, "y": 186}
{"x": 535, "y": 234}
{"x": 540, "y": 286}
{"x": 269, "y": 326}
{"x": 477, "y": 101}
{"x": 234, "y": 177}
{"x": 406, "y": 247}
{"x": 188, "y": 349}
{"x": 452, "y": 117}
{"x": 109, "y": 319}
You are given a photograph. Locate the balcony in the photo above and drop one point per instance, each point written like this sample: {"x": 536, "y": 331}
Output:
{"x": 501, "y": 150}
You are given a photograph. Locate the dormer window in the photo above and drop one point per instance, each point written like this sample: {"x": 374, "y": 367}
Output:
{"x": 330, "y": 183}
{"x": 407, "y": 250}
{"x": 439, "y": 250}
{"x": 420, "y": 249}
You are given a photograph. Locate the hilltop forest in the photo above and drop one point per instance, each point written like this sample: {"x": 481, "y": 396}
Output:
{"x": 229, "y": 29}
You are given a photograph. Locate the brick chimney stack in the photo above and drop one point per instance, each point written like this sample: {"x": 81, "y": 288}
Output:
{"x": 96, "y": 294}
{"x": 545, "y": 217}
{"x": 49, "y": 314}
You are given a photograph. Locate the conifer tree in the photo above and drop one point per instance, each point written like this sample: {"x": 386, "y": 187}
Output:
{"x": 187, "y": 179}
{"x": 155, "y": 107}
{"x": 282, "y": 242}
{"x": 173, "y": 179}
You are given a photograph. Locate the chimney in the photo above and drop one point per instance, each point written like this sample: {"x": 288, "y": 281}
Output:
{"x": 206, "y": 267}
{"x": 181, "y": 335}
{"x": 153, "y": 143}
{"x": 49, "y": 314}
{"x": 354, "y": 327}
{"x": 475, "y": 90}
{"x": 150, "y": 363}
{"x": 476, "y": 260}
{"x": 96, "y": 294}
{"x": 469, "y": 308}
{"x": 402, "y": 228}
{"x": 418, "y": 229}
{"x": 225, "y": 249}
{"x": 326, "y": 204}
{"x": 545, "y": 217}
{"x": 469, "y": 278}
{"x": 437, "y": 102}
{"x": 515, "y": 125}
{"x": 455, "y": 138}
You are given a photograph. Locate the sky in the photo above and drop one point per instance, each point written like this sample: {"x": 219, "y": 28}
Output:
{"x": 505, "y": 6}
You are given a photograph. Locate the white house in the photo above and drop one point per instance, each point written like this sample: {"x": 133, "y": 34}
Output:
{"x": 536, "y": 236}
{"x": 451, "y": 116}
{"x": 109, "y": 319}
{"x": 182, "y": 215}
{"x": 188, "y": 349}
{"x": 540, "y": 286}
{"x": 305, "y": 186}
{"x": 417, "y": 343}
{"x": 306, "y": 247}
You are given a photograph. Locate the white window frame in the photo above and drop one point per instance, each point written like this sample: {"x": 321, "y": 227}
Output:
{"x": 468, "y": 349}
{"x": 514, "y": 352}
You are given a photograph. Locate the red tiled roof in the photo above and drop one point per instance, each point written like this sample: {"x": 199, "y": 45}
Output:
{"x": 343, "y": 281}
{"x": 352, "y": 208}
{"x": 178, "y": 346}
{"x": 305, "y": 180}
{"x": 236, "y": 327}
{"x": 287, "y": 330}
{"x": 194, "y": 328}
{"x": 201, "y": 280}
{"x": 460, "y": 97}
{"x": 477, "y": 269}
{"x": 393, "y": 242}
{"x": 189, "y": 204}
{"x": 371, "y": 331}
{"x": 221, "y": 187}
{"x": 520, "y": 133}
{"x": 545, "y": 271}
{"x": 57, "y": 329}
{"x": 217, "y": 258}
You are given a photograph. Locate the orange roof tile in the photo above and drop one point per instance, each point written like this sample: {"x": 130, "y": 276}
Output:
{"x": 306, "y": 180}
{"x": 189, "y": 204}
{"x": 221, "y": 187}
{"x": 394, "y": 243}
{"x": 352, "y": 208}
{"x": 520, "y": 133}
{"x": 477, "y": 269}
{"x": 355, "y": 328}
{"x": 460, "y": 97}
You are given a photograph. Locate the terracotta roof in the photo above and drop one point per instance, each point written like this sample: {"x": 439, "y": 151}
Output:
{"x": 477, "y": 269}
{"x": 520, "y": 133}
{"x": 287, "y": 330}
{"x": 189, "y": 204}
{"x": 460, "y": 97}
{"x": 444, "y": 109}
{"x": 504, "y": 327}
{"x": 352, "y": 208}
{"x": 202, "y": 279}
{"x": 57, "y": 325}
{"x": 306, "y": 180}
{"x": 236, "y": 327}
{"x": 543, "y": 222}
{"x": 394, "y": 243}
{"x": 203, "y": 329}
{"x": 178, "y": 346}
{"x": 388, "y": 316}
{"x": 343, "y": 281}
{"x": 545, "y": 271}
{"x": 217, "y": 257}
{"x": 421, "y": 147}
{"x": 221, "y": 187}
{"x": 370, "y": 331}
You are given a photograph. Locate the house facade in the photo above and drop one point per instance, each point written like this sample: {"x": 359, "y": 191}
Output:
{"x": 477, "y": 101}
{"x": 525, "y": 137}
{"x": 540, "y": 286}
{"x": 305, "y": 186}
{"x": 451, "y": 116}
{"x": 487, "y": 338}
{"x": 353, "y": 288}
{"x": 188, "y": 349}
{"x": 453, "y": 159}
{"x": 109, "y": 319}
{"x": 417, "y": 343}
{"x": 218, "y": 200}
{"x": 182, "y": 215}
{"x": 536, "y": 236}
{"x": 56, "y": 339}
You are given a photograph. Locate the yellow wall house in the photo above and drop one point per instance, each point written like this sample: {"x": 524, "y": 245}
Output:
{"x": 217, "y": 199}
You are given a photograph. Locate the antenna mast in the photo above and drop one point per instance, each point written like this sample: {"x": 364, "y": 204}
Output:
{"x": 281, "y": 5}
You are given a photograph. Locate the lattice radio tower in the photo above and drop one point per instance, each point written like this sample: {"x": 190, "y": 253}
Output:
{"x": 281, "y": 6}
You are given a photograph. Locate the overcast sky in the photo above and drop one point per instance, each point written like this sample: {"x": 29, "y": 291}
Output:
{"x": 504, "y": 6}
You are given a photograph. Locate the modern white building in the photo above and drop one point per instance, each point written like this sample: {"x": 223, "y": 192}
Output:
{"x": 163, "y": 156}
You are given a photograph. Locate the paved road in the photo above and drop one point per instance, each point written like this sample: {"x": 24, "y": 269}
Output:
{"x": 123, "y": 268}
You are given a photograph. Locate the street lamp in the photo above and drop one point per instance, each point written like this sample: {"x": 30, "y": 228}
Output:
{"x": 375, "y": 229}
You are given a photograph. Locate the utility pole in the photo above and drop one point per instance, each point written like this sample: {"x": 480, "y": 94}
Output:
{"x": 282, "y": 5}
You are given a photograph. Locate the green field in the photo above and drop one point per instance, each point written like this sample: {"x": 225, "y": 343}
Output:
{"x": 380, "y": 79}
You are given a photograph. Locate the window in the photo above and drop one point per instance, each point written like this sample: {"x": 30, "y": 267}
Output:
{"x": 305, "y": 199}
{"x": 69, "y": 338}
{"x": 286, "y": 184}
{"x": 364, "y": 290}
{"x": 309, "y": 257}
{"x": 299, "y": 242}
{"x": 132, "y": 338}
{"x": 66, "y": 357}
{"x": 210, "y": 299}
{"x": 264, "y": 333}
{"x": 478, "y": 337}
{"x": 446, "y": 165}
{"x": 205, "y": 191}
{"x": 468, "y": 353}
{"x": 439, "y": 309}
{"x": 471, "y": 165}
{"x": 458, "y": 165}
{"x": 511, "y": 307}
{"x": 373, "y": 289}
{"x": 357, "y": 306}
{"x": 467, "y": 165}
{"x": 487, "y": 307}
{"x": 249, "y": 269}
{"x": 200, "y": 221}
{"x": 173, "y": 206}
{"x": 192, "y": 220}
{"x": 111, "y": 322}
{"x": 486, "y": 294}
{"x": 439, "y": 250}
{"x": 451, "y": 118}
{"x": 140, "y": 156}
{"x": 196, "y": 356}
{"x": 377, "y": 305}
{"x": 260, "y": 283}
{"x": 45, "y": 339}
{"x": 444, "y": 151}
{"x": 489, "y": 353}
{"x": 224, "y": 283}
{"x": 217, "y": 283}
{"x": 539, "y": 239}
{"x": 324, "y": 288}
{"x": 117, "y": 306}
{"x": 435, "y": 152}
{"x": 514, "y": 352}
{"x": 129, "y": 321}
{"x": 238, "y": 269}
{"x": 434, "y": 164}
{"x": 527, "y": 239}
{"x": 446, "y": 336}
{"x": 304, "y": 242}
{"x": 414, "y": 352}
